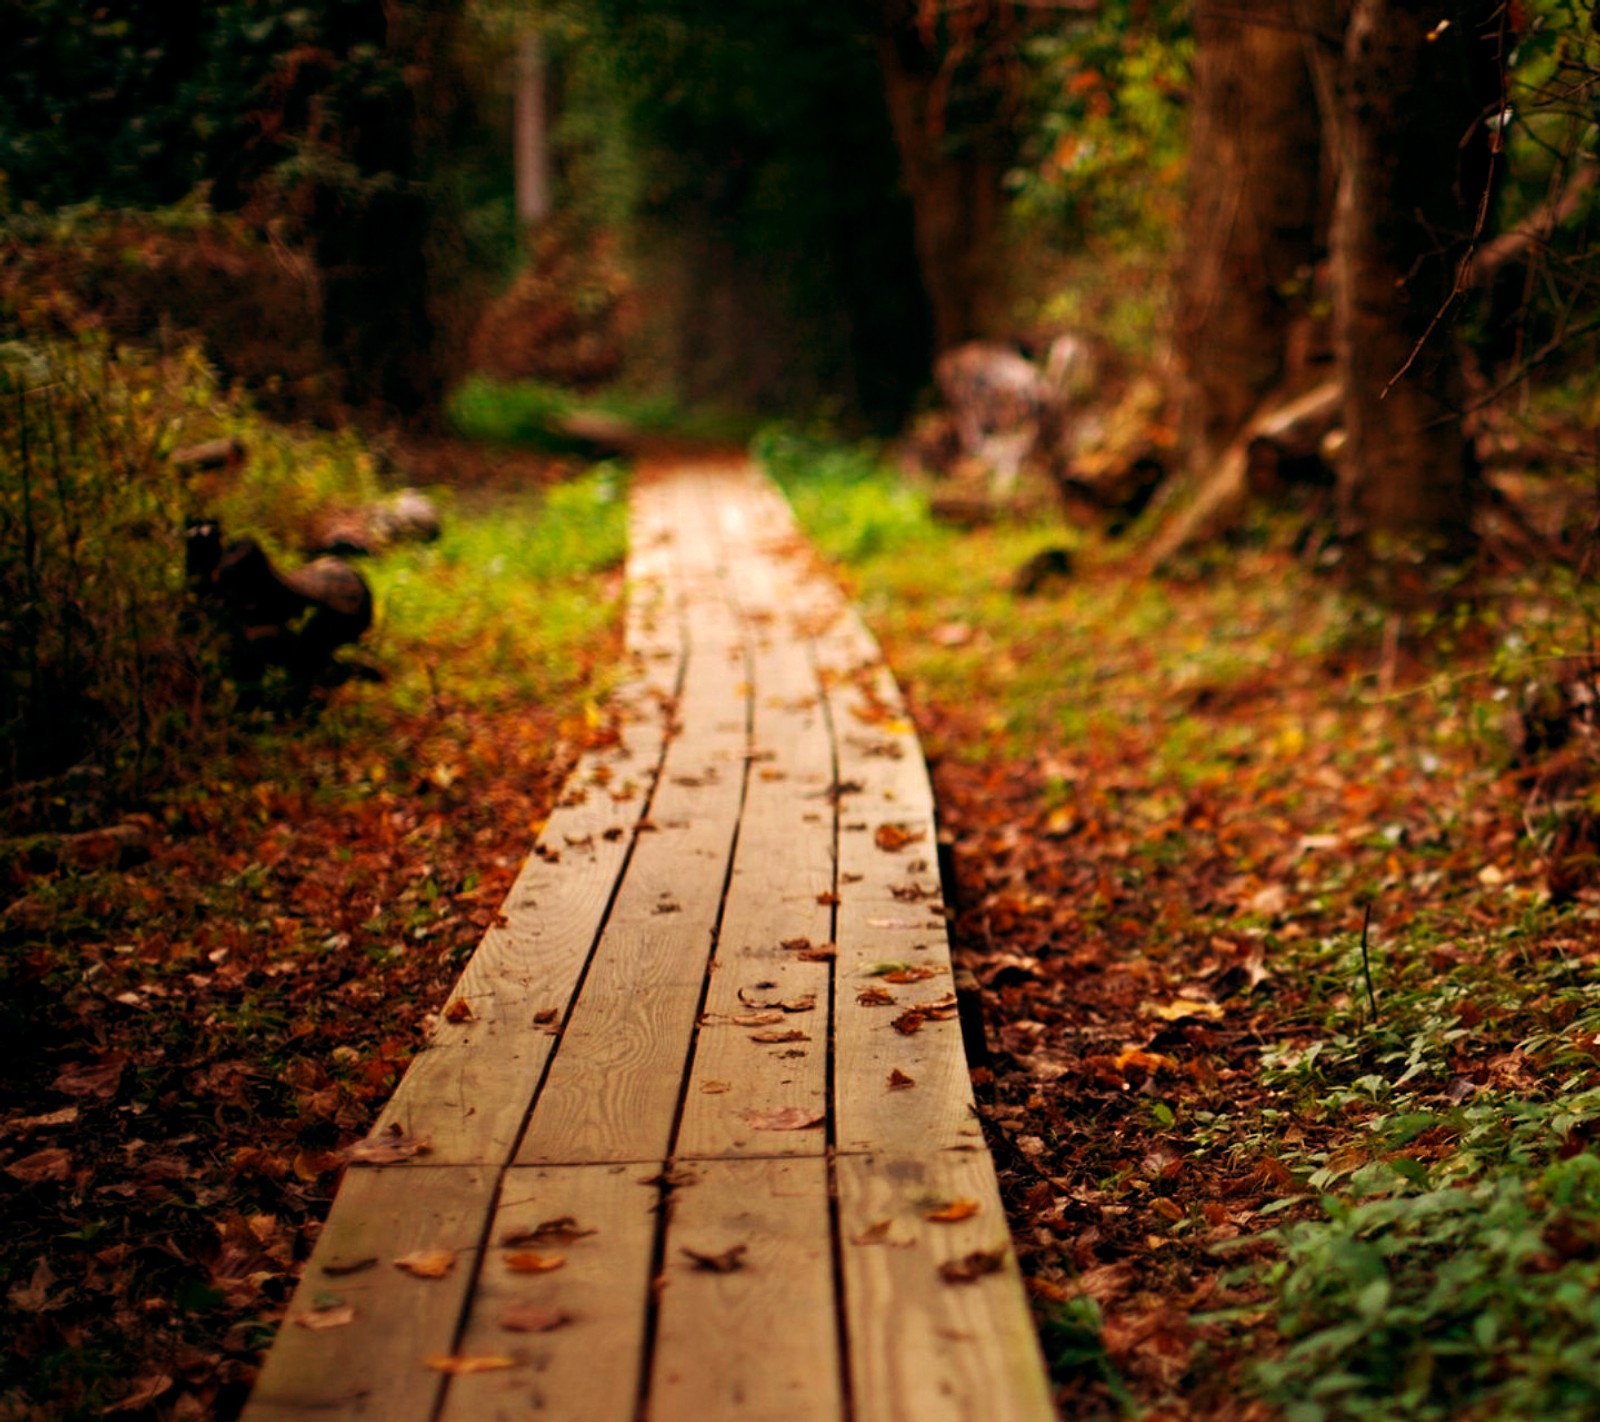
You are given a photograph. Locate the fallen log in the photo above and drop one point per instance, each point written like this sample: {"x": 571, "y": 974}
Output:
{"x": 1269, "y": 444}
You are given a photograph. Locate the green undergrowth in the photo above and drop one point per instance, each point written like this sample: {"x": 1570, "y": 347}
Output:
{"x": 536, "y": 415}
{"x": 1248, "y": 765}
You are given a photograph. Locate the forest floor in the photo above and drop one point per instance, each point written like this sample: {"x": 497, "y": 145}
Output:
{"x": 1264, "y": 1156}
{"x": 193, "y": 1041}
{"x": 1284, "y": 908}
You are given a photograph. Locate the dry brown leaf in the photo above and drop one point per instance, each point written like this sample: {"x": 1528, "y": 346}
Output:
{"x": 898, "y": 1080}
{"x": 794, "y": 1034}
{"x": 893, "y": 838}
{"x": 757, "y": 1019}
{"x": 953, "y": 1211}
{"x": 339, "y": 1269}
{"x": 715, "y": 1088}
{"x": 823, "y": 953}
{"x": 51, "y": 1163}
{"x": 533, "y": 1318}
{"x": 788, "y": 1118}
{"x": 460, "y": 1011}
{"x": 828, "y": 899}
{"x": 909, "y": 1021}
{"x": 528, "y": 1262}
{"x": 458, "y": 1365}
{"x": 909, "y": 973}
{"x": 98, "y": 1078}
{"x": 145, "y": 1391}
{"x": 796, "y": 945}
{"x": 562, "y": 1229}
{"x": 875, "y": 1233}
{"x": 545, "y": 1016}
{"x": 728, "y": 1262}
{"x": 427, "y": 1263}
{"x": 972, "y": 1266}
{"x": 875, "y": 997}
{"x": 335, "y": 1316}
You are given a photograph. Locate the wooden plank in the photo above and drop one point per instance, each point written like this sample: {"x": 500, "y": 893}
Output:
{"x": 923, "y": 1349}
{"x": 742, "y": 1089}
{"x": 374, "y": 1366}
{"x": 587, "y": 1367}
{"x": 613, "y": 1087}
{"x": 470, "y": 1090}
{"x": 760, "y": 1343}
{"x": 889, "y": 912}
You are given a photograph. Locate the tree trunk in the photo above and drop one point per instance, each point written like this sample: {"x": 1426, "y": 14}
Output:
{"x": 532, "y": 132}
{"x": 1255, "y": 189}
{"x": 954, "y": 187}
{"x": 1414, "y": 177}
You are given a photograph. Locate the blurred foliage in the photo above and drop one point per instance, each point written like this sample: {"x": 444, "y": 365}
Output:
{"x": 324, "y": 126}
{"x": 98, "y": 666}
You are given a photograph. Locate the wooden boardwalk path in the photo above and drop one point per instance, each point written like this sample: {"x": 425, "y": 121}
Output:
{"x": 698, "y": 1129}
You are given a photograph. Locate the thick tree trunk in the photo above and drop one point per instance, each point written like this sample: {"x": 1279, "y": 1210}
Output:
{"x": 954, "y": 187}
{"x": 1255, "y": 186}
{"x": 1415, "y": 103}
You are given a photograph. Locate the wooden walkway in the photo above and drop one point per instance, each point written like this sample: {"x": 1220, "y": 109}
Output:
{"x": 695, "y": 1139}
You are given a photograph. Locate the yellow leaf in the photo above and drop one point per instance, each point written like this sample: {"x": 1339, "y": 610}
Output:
{"x": 427, "y": 1263}
{"x": 953, "y": 1211}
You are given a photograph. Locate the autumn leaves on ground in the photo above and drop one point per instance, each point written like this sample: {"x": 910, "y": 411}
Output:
{"x": 1279, "y": 901}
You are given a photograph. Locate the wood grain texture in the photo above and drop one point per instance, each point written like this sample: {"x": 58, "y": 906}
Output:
{"x": 613, "y": 1088}
{"x": 375, "y": 1365}
{"x": 757, "y": 1344}
{"x": 469, "y": 1091}
{"x": 586, "y": 1368}
{"x": 782, "y": 873}
{"x": 923, "y": 1349}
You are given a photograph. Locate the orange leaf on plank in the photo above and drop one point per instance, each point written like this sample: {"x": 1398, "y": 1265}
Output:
{"x": 427, "y": 1263}
{"x": 528, "y": 1262}
{"x": 953, "y": 1211}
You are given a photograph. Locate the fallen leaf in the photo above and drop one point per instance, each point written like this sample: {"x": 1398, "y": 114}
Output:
{"x": 34, "y": 1296}
{"x": 1182, "y": 1007}
{"x": 804, "y": 1003}
{"x": 909, "y": 973}
{"x": 51, "y": 1163}
{"x": 390, "y": 1148}
{"x": 756, "y": 1019}
{"x": 823, "y": 953}
{"x": 339, "y": 1269}
{"x": 796, "y": 945}
{"x": 98, "y": 1078}
{"x": 545, "y": 1017}
{"x": 953, "y": 1211}
{"x": 1136, "y": 1059}
{"x": 562, "y": 1229}
{"x": 893, "y": 838}
{"x": 145, "y": 1391}
{"x": 335, "y": 1316}
{"x": 457, "y": 1365}
{"x": 788, "y": 1118}
{"x": 21, "y": 1126}
{"x": 533, "y": 1318}
{"x": 526, "y": 1261}
{"x": 715, "y": 1088}
{"x": 728, "y": 1262}
{"x": 828, "y": 900}
{"x": 460, "y": 1011}
{"x": 875, "y": 1233}
{"x": 909, "y": 1021}
{"x": 972, "y": 1266}
{"x": 875, "y": 997}
{"x": 898, "y": 1080}
{"x": 427, "y": 1263}
{"x": 794, "y": 1034}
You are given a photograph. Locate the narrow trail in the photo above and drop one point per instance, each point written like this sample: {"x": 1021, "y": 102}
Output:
{"x": 695, "y": 1137}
